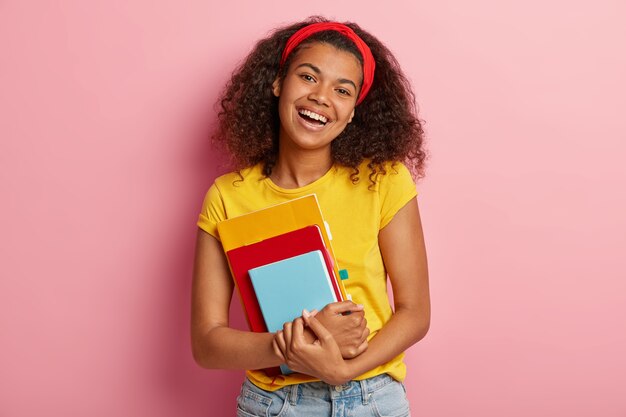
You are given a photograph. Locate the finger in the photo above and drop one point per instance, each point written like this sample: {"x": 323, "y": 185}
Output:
{"x": 309, "y": 336}
{"x": 287, "y": 335}
{"x": 280, "y": 341}
{"x": 353, "y": 320}
{"x": 362, "y": 348}
{"x": 320, "y": 331}
{"x": 356, "y": 318}
{"x": 297, "y": 331}
{"x": 276, "y": 349}
{"x": 343, "y": 307}
{"x": 366, "y": 332}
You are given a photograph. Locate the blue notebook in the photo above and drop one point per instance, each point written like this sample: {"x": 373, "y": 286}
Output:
{"x": 284, "y": 288}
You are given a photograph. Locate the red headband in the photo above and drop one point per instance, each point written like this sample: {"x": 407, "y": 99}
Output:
{"x": 368, "y": 59}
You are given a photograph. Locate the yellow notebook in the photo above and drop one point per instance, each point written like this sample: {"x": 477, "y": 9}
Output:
{"x": 276, "y": 220}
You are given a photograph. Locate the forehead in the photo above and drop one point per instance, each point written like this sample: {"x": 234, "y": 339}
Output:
{"x": 329, "y": 59}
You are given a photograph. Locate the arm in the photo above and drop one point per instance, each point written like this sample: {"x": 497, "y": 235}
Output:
{"x": 349, "y": 330}
{"x": 404, "y": 253}
{"x": 402, "y": 246}
{"x": 216, "y": 345}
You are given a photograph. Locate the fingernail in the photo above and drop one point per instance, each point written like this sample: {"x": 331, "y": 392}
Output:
{"x": 305, "y": 313}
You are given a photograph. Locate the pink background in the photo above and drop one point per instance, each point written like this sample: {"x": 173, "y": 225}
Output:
{"x": 105, "y": 108}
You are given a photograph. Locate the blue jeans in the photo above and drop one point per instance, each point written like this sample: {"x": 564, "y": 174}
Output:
{"x": 379, "y": 396}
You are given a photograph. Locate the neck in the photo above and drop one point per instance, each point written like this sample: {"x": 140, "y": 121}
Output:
{"x": 295, "y": 169}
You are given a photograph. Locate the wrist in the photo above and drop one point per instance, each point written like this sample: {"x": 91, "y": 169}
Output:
{"x": 348, "y": 370}
{"x": 277, "y": 355}
{"x": 342, "y": 374}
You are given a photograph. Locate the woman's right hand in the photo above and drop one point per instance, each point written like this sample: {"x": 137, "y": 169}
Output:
{"x": 349, "y": 330}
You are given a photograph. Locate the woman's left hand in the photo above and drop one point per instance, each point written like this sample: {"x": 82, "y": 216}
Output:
{"x": 321, "y": 358}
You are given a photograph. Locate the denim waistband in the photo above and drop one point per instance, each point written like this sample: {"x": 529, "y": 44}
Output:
{"x": 328, "y": 392}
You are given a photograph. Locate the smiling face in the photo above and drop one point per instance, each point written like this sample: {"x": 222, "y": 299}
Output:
{"x": 317, "y": 96}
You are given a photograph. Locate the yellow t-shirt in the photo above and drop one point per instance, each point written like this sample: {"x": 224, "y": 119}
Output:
{"x": 355, "y": 214}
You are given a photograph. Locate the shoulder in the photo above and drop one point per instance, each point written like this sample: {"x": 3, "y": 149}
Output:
{"x": 396, "y": 187}
{"x": 395, "y": 172}
{"x": 387, "y": 174}
{"x": 389, "y": 181}
{"x": 234, "y": 185}
{"x": 241, "y": 179}
{"x": 229, "y": 195}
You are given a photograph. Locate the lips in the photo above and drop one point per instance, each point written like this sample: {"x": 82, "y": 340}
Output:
{"x": 313, "y": 117}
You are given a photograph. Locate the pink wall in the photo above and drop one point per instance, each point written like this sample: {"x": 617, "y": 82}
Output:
{"x": 104, "y": 111}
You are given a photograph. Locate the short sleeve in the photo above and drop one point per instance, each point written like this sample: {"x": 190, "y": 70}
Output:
{"x": 396, "y": 189}
{"x": 212, "y": 212}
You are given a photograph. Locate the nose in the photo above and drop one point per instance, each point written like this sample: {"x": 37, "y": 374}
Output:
{"x": 320, "y": 94}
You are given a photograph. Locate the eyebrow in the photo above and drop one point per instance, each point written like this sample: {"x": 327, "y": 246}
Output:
{"x": 318, "y": 71}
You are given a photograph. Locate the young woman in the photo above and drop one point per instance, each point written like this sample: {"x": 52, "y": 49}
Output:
{"x": 321, "y": 107}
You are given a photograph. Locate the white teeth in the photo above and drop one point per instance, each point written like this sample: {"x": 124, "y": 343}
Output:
{"x": 313, "y": 115}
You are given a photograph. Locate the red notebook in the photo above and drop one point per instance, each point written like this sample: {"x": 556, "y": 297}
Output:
{"x": 273, "y": 249}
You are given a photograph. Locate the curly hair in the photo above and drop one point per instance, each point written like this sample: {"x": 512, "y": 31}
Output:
{"x": 385, "y": 126}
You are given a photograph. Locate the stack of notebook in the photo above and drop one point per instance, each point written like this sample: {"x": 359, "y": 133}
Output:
{"x": 282, "y": 262}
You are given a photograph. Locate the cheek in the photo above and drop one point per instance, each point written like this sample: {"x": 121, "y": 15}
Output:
{"x": 281, "y": 105}
{"x": 284, "y": 111}
{"x": 346, "y": 114}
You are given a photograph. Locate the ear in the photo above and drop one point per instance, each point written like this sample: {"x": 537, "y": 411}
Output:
{"x": 276, "y": 87}
{"x": 351, "y": 116}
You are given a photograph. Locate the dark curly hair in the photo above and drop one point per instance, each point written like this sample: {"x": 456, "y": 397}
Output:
{"x": 385, "y": 127}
